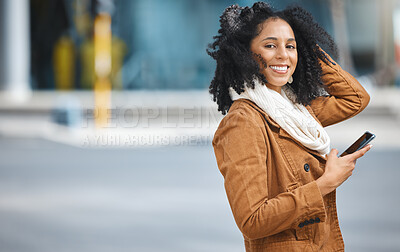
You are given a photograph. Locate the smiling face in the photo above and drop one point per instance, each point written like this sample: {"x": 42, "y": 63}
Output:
{"x": 276, "y": 45}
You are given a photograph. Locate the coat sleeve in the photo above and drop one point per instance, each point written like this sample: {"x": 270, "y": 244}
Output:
{"x": 241, "y": 153}
{"x": 346, "y": 97}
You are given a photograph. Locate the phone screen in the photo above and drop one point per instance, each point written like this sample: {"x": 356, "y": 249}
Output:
{"x": 359, "y": 144}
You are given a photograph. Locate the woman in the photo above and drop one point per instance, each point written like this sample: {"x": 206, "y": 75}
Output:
{"x": 280, "y": 89}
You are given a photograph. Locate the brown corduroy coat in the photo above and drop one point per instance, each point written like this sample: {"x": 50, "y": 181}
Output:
{"x": 270, "y": 177}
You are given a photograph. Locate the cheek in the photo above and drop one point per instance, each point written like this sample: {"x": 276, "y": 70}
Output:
{"x": 265, "y": 61}
{"x": 267, "y": 55}
{"x": 294, "y": 60}
{"x": 266, "y": 58}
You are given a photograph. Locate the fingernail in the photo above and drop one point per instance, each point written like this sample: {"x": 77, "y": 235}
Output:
{"x": 370, "y": 146}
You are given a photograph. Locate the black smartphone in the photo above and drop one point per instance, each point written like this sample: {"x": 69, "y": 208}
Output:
{"x": 359, "y": 144}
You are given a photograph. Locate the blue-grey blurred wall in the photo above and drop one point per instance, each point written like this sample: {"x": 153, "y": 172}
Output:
{"x": 166, "y": 40}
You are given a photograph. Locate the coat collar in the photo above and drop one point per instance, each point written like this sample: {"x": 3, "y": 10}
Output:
{"x": 276, "y": 127}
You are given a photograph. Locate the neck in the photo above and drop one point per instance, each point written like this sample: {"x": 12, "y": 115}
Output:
{"x": 275, "y": 88}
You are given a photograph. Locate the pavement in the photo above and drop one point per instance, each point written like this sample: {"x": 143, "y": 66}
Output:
{"x": 149, "y": 181}
{"x": 55, "y": 197}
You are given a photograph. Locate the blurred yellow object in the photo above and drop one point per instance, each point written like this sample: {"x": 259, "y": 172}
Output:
{"x": 64, "y": 63}
{"x": 102, "y": 68}
{"x": 87, "y": 60}
{"x": 118, "y": 52}
{"x": 102, "y": 99}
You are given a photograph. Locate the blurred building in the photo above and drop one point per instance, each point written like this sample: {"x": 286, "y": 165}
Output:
{"x": 160, "y": 44}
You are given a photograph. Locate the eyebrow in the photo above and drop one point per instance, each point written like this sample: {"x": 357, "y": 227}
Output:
{"x": 274, "y": 38}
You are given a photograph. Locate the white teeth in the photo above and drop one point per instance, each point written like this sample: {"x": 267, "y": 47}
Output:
{"x": 284, "y": 68}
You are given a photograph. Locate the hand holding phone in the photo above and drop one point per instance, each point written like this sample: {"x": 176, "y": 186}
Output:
{"x": 365, "y": 139}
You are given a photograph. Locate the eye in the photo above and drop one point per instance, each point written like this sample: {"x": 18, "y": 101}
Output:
{"x": 291, "y": 47}
{"x": 269, "y": 46}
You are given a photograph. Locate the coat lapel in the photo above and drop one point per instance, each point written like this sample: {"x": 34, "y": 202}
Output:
{"x": 281, "y": 132}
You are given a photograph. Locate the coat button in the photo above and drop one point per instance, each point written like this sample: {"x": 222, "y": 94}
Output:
{"x": 306, "y": 167}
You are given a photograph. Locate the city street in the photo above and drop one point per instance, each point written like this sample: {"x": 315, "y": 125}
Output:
{"x": 106, "y": 130}
{"x": 54, "y": 197}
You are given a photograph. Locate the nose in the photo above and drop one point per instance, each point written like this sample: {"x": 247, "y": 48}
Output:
{"x": 282, "y": 53}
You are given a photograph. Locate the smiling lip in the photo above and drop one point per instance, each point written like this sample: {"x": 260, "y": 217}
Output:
{"x": 281, "y": 69}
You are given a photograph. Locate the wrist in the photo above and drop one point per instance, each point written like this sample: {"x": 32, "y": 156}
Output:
{"x": 324, "y": 186}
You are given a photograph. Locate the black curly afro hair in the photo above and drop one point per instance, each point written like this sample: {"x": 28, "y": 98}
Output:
{"x": 236, "y": 64}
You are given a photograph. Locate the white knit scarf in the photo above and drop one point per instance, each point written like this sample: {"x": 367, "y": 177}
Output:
{"x": 294, "y": 118}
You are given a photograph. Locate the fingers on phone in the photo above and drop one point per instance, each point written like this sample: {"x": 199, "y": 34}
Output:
{"x": 361, "y": 152}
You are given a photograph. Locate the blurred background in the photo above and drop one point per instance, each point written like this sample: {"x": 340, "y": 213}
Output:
{"x": 106, "y": 125}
